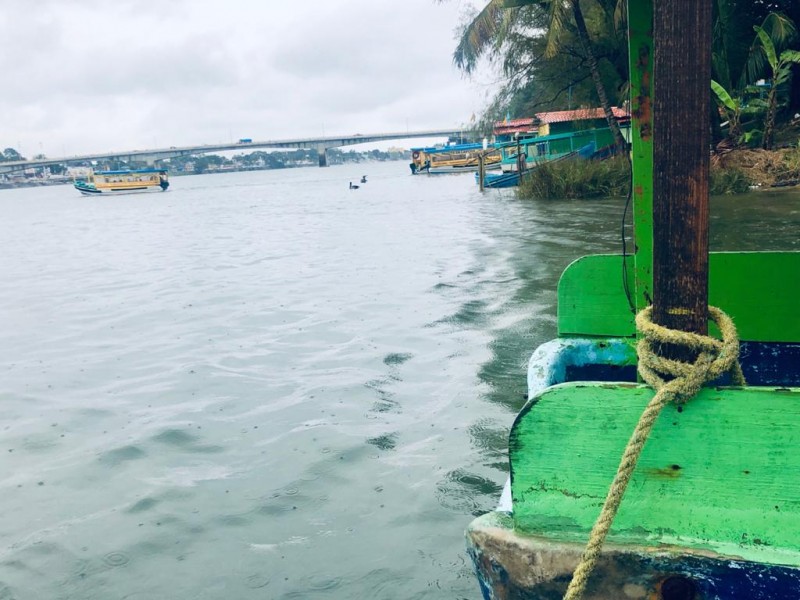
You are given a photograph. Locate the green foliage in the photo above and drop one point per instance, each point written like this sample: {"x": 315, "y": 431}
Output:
{"x": 279, "y": 159}
{"x": 732, "y": 107}
{"x": 518, "y": 41}
{"x": 775, "y": 34}
{"x": 521, "y": 37}
{"x": 768, "y": 58}
{"x": 725, "y": 181}
{"x": 767, "y": 55}
{"x": 577, "y": 179}
{"x": 9, "y": 154}
{"x": 485, "y": 33}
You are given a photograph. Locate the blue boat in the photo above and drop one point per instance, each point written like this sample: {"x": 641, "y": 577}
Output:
{"x": 512, "y": 178}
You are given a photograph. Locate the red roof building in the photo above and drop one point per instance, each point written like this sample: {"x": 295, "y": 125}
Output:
{"x": 513, "y": 126}
{"x": 540, "y": 124}
{"x": 582, "y": 114}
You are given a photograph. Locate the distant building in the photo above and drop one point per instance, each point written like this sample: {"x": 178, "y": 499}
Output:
{"x": 555, "y": 122}
{"x": 78, "y": 172}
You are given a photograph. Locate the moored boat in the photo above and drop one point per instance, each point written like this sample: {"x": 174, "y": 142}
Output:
{"x": 512, "y": 177}
{"x": 704, "y": 504}
{"x": 453, "y": 158}
{"x": 546, "y": 137}
{"x": 111, "y": 183}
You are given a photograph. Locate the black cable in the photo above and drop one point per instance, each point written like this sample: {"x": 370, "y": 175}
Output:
{"x": 625, "y": 282}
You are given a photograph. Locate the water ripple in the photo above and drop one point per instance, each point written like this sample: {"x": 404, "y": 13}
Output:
{"x": 206, "y": 391}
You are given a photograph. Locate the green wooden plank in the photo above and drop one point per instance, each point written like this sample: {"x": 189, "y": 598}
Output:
{"x": 592, "y": 300}
{"x": 720, "y": 475}
{"x": 640, "y": 56}
{"x": 750, "y": 286}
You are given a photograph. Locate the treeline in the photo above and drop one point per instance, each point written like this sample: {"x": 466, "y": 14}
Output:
{"x": 211, "y": 162}
{"x": 275, "y": 160}
{"x": 562, "y": 54}
{"x": 10, "y": 154}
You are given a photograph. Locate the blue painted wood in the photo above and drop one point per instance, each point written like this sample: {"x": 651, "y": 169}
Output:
{"x": 614, "y": 359}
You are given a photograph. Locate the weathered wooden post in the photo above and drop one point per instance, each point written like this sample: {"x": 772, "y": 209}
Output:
{"x": 682, "y": 75}
{"x": 481, "y": 170}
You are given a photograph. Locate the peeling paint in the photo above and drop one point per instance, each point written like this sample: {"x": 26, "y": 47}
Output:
{"x": 516, "y": 567}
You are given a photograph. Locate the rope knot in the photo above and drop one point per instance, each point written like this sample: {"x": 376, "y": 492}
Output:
{"x": 682, "y": 380}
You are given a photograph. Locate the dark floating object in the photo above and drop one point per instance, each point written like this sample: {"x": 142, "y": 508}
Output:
{"x": 353, "y": 187}
{"x": 363, "y": 179}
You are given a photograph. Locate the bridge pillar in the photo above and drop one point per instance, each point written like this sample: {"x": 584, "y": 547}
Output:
{"x": 148, "y": 159}
{"x": 323, "y": 157}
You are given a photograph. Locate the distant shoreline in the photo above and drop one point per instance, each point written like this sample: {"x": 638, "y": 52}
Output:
{"x": 6, "y": 185}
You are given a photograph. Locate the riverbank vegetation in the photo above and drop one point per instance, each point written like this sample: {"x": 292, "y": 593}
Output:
{"x": 732, "y": 172}
{"x": 577, "y": 179}
{"x": 567, "y": 54}
{"x": 757, "y": 168}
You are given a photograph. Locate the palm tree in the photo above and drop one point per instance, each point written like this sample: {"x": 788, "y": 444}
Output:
{"x": 492, "y": 28}
{"x": 485, "y": 33}
{"x": 557, "y": 19}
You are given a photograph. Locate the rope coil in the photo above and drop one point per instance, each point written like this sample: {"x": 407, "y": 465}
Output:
{"x": 714, "y": 358}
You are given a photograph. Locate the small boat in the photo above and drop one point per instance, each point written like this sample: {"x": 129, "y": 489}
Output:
{"x": 111, "y": 183}
{"x": 704, "y": 503}
{"x": 453, "y": 158}
{"x": 499, "y": 180}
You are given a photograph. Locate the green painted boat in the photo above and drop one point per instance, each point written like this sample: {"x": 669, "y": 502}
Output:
{"x": 712, "y": 510}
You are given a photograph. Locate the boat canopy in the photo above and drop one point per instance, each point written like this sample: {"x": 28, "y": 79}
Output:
{"x": 130, "y": 171}
{"x": 458, "y": 148}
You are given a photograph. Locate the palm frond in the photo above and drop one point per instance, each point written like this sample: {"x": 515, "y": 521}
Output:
{"x": 774, "y": 34}
{"x": 790, "y": 56}
{"x": 780, "y": 29}
{"x": 479, "y": 35}
{"x": 558, "y": 13}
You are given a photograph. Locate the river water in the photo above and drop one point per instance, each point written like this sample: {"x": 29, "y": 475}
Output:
{"x": 267, "y": 385}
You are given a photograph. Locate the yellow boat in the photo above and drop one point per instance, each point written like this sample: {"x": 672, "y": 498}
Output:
{"x": 123, "y": 182}
{"x": 455, "y": 158}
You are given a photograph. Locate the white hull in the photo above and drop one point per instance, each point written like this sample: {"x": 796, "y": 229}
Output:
{"x": 460, "y": 169}
{"x": 141, "y": 190}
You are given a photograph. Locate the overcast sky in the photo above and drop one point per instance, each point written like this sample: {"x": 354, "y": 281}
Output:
{"x": 103, "y": 75}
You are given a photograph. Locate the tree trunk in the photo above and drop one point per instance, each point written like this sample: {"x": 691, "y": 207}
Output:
{"x": 583, "y": 35}
{"x": 769, "y": 121}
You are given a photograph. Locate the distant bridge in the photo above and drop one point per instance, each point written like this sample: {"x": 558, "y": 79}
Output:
{"x": 320, "y": 144}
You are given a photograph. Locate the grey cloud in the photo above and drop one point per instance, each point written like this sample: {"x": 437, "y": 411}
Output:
{"x": 206, "y": 71}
